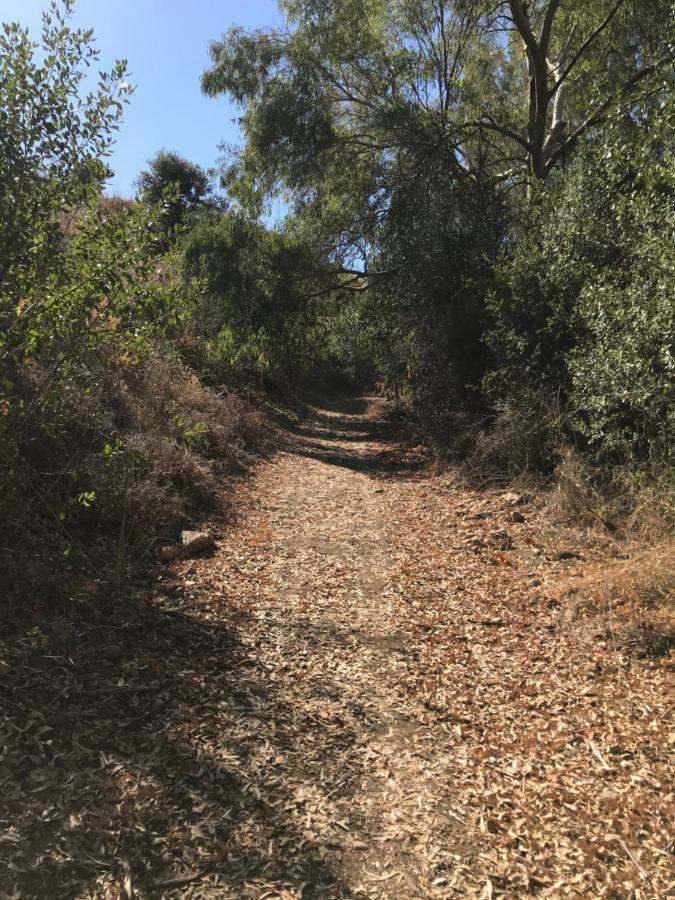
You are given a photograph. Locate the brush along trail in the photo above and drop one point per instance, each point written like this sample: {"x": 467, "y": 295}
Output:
{"x": 369, "y": 692}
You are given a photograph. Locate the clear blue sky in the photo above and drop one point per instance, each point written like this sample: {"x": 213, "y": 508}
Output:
{"x": 166, "y": 43}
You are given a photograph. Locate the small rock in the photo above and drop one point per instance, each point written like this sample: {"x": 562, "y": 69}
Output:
{"x": 510, "y": 498}
{"x": 195, "y": 542}
{"x": 514, "y": 499}
{"x": 166, "y": 554}
{"x": 502, "y": 540}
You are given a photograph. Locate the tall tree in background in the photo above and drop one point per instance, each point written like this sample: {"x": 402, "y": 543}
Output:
{"x": 501, "y": 90}
{"x": 178, "y": 183}
{"x": 412, "y": 137}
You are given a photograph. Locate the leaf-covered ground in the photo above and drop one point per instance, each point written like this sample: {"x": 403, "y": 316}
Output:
{"x": 371, "y": 690}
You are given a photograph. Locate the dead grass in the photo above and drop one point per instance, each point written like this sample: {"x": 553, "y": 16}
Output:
{"x": 639, "y": 505}
{"x": 182, "y": 444}
{"x": 175, "y": 450}
{"x": 629, "y": 601}
{"x": 519, "y": 440}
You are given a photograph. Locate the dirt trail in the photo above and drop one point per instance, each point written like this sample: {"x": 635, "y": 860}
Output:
{"x": 368, "y": 691}
{"x": 357, "y": 766}
{"x": 421, "y": 720}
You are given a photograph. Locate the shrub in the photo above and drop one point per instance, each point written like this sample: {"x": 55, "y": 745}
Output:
{"x": 583, "y": 300}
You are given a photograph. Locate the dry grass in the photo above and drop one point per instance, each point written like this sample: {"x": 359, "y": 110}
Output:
{"x": 637, "y": 505}
{"x": 176, "y": 448}
{"x": 633, "y": 597}
{"x": 184, "y": 444}
{"x": 518, "y": 443}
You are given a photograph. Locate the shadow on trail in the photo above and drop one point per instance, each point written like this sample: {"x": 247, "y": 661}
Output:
{"x": 132, "y": 746}
{"x": 355, "y": 434}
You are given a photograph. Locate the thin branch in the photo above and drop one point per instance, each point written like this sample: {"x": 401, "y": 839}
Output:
{"x": 586, "y": 44}
{"x": 598, "y": 113}
{"x": 504, "y": 130}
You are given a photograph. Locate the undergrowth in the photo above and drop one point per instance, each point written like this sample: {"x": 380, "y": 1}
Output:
{"x": 132, "y": 452}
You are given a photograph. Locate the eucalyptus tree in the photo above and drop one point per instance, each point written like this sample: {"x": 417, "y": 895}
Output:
{"x": 409, "y": 136}
{"x": 498, "y": 89}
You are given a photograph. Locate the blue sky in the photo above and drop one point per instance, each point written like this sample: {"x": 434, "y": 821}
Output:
{"x": 166, "y": 43}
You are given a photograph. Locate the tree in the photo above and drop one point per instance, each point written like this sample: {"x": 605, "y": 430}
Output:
{"x": 258, "y": 312}
{"x": 70, "y": 265}
{"x": 175, "y": 182}
{"x": 503, "y": 90}
{"x": 583, "y": 299}
{"x": 53, "y": 144}
{"x": 372, "y": 115}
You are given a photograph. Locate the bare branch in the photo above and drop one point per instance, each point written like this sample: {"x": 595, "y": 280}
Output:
{"x": 597, "y": 114}
{"x": 545, "y": 36}
{"x": 586, "y": 44}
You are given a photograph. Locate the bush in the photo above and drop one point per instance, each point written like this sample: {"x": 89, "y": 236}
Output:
{"x": 104, "y": 440}
{"x": 623, "y": 367}
{"x": 583, "y": 301}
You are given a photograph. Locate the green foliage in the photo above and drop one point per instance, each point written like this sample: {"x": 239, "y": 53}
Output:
{"x": 471, "y": 229}
{"x": 178, "y": 185}
{"x": 188, "y": 435}
{"x": 56, "y": 256}
{"x": 256, "y": 313}
{"x": 584, "y": 297}
{"x": 623, "y": 368}
{"x": 402, "y": 135}
{"x": 77, "y": 275}
{"x": 52, "y": 143}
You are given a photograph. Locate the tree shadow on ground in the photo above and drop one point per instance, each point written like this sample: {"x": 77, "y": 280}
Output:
{"x": 357, "y": 440}
{"x": 134, "y": 746}
{"x": 140, "y": 738}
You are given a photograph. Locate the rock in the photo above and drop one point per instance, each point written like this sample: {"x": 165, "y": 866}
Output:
{"x": 195, "y": 542}
{"x": 501, "y": 539}
{"x": 166, "y": 554}
{"x": 514, "y": 499}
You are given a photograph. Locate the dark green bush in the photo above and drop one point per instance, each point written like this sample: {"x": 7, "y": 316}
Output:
{"x": 584, "y": 297}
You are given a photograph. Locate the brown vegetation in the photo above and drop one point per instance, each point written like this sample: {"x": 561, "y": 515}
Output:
{"x": 133, "y": 452}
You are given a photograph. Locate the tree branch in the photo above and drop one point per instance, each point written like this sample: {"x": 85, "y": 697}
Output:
{"x": 545, "y": 36}
{"x": 504, "y": 130}
{"x": 586, "y": 44}
{"x": 522, "y": 23}
{"x": 598, "y": 113}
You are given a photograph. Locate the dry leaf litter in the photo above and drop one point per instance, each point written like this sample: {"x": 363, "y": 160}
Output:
{"x": 368, "y": 691}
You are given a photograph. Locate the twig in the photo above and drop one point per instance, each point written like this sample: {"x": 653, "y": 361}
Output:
{"x": 629, "y": 852}
{"x": 595, "y": 750}
{"x": 122, "y": 689}
{"x": 178, "y": 882}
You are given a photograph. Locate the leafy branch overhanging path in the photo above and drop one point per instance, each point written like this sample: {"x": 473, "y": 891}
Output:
{"x": 363, "y": 694}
